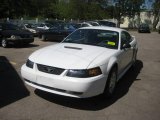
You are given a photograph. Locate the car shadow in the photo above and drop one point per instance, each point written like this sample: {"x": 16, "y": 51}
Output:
{"x": 26, "y": 46}
{"x": 12, "y": 87}
{"x": 57, "y": 41}
{"x": 98, "y": 102}
{"x": 22, "y": 46}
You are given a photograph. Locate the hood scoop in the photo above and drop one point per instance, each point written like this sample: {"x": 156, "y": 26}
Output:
{"x": 69, "y": 47}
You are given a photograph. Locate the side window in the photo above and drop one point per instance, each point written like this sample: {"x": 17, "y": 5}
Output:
{"x": 125, "y": 38}
{"x": 129, "y": 38}
{"x": 41, "y": 25}
{"x": 84, "y": 25}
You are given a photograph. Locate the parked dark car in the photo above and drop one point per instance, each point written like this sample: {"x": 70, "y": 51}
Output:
{"x": 87, "y": 24}
{"x": 31, "y": 27}
{"x": 44, "y": 26}
{"x": 144, "y": 28}
{"x": 106, "y": 23}
{"x": 12, "y": 34}
{"x": 55, "y": 22}
{"x": 57, "y": 33}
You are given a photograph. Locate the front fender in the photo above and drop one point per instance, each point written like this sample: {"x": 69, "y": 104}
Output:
{"x": 112, "y": 61}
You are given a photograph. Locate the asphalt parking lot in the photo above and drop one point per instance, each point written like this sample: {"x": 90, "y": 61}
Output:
{"x": 137, "y": 96}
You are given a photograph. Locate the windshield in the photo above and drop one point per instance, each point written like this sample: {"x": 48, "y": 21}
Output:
{"x": 48, "y": 25}
{"x": 63, "y": 27}
{"x": 30, "y": 25}
{"x": 102, "y": 38}
{"x": 93, "y": 23}
{"x": 68, "y": 27}
{"x": 106, "y": 23}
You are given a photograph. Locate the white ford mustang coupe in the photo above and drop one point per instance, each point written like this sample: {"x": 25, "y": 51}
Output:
{"x": 89, "y": 62}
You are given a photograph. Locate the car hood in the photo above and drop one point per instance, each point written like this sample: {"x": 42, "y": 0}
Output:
{"x": 16, "y": 32}
{"x": 68, "y": 56}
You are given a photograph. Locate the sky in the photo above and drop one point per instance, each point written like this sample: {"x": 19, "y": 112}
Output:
{"x": 149, "y": 3}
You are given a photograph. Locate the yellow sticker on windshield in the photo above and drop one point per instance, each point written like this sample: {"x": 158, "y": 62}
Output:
{"x": 111, "y": 43}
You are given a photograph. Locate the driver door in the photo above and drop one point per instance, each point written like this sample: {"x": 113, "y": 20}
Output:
{"x": 126, "y": 53}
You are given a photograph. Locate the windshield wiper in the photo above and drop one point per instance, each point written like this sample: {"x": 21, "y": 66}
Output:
{"x": 68, "y": 42}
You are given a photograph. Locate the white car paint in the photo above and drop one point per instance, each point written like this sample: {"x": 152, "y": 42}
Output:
{"x": 44, "y": 26}
{"x": 74, "y": 59}
{"x": 64, "y": 55}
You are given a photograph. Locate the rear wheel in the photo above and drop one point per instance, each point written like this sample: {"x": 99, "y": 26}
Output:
{"x": 4, "y": 43}
{"x": 111, "y": 83}
{"x": 26, "y": 44}
{"x": 44, "y": 38}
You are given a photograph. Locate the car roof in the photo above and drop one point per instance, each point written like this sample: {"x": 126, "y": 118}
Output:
{"x": 104, "y": 28}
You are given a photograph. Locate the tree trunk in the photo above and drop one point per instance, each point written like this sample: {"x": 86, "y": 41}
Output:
{"x": 118, "y": 20}
{"x": 156, "y": 20}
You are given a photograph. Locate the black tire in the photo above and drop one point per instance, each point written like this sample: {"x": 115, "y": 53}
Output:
{"x": 4, "y": 43}
{"x": 26, "y": 44}
{"x": 43, "y": 38}
{"x": 134, "y": 59}
{"x": 111, "y": 83}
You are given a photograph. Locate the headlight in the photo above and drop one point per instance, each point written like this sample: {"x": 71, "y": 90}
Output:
{"x": 29, "y": 63}
{"x": 31, "y": 36}
{"x": 14, "y": 37}
{"x": 33, "y": 31}
{"x": 84, "y": 73}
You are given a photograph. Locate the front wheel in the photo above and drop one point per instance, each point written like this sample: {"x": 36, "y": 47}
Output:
{"x": 111, "y": 83}
{"x": 4, "y": 43}
{"x": 134, "y": 59}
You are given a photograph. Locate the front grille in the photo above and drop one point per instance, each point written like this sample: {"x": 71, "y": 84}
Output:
{"x": 50, "y": 69}
{"x": 55, "y": 89}
{"x": 25, "y": 36}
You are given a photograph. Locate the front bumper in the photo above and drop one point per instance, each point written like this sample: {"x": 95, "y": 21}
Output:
{"x": 144, "y": 30}
{"x": 20, "y": 40}
{"x": 63, "y": 85}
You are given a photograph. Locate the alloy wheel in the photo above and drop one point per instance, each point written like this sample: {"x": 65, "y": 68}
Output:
{"x": 4, "y": 43}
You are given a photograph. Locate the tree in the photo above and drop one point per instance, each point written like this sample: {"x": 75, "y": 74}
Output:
{"x": 61, "y": 10}
{"x": 79, "y": 9}
{"x": 125, "y": 8}
{"x": 40, "y": 8}
{"x": 156, "y": 13}
{"x": 12, "y": 8}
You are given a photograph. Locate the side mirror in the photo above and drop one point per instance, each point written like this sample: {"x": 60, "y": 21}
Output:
{"x": 127, "y": 45}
